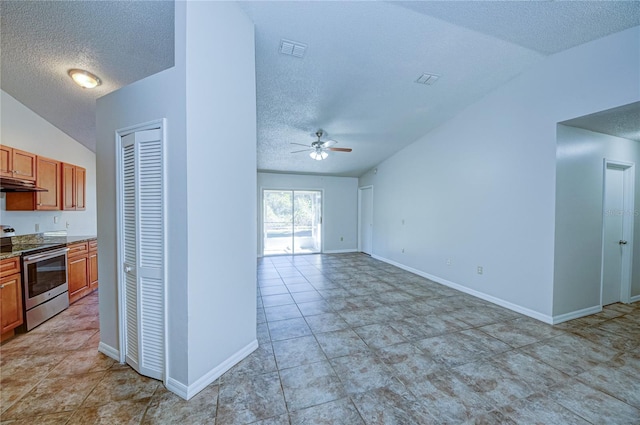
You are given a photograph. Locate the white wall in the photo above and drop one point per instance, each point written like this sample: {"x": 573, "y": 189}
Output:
{"x": 340, "y": 204}
{"x": 162, "y": 95}
{"x": 578, "y": 234}
{"x": 480, "y": 189}
{"x": 221, "y": 166}
{"x": 208, "y": 99}
{"x": 23, "y": 129}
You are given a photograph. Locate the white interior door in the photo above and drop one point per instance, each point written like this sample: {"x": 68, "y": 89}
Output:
{"x": 142, "y": 251}
{"x": 618, "y": 217}
{"x": 366, "y": 220}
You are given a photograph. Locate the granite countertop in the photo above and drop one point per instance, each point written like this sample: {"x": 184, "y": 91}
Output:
{"x": 40, "y": 238}
{"x": 5, "y": 255}
{"x": 78, "y": 239}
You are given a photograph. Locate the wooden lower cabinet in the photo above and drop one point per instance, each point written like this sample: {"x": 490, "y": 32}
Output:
{"x": 11, "y": 315}
{"x": 82, "y": 268}
{"x": 78, "y": 269}
{"x": 93, "y": 269}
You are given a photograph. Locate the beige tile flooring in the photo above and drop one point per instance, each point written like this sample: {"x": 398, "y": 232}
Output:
{"x": 345, "y": 339}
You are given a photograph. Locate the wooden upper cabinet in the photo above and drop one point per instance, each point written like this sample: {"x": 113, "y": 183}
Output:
{"x": 6, "y": 161}
{"x": 48, "y": 177}
{"x": 74, "y": 181}
{"x": 81, "y": 189}
{"x": 68, "y": 187}
{"x": 24, "y": 165}
{"x": 66, "y": 184}
{"x": 18, "y": 164}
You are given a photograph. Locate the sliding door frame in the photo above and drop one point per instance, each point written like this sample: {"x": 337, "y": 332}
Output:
{"x": 261, "y": 216}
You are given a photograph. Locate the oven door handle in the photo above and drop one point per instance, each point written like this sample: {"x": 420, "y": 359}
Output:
{"x": 46, "y": 255}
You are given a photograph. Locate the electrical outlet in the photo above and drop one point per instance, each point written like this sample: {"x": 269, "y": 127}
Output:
{"x": 37, "y": 227}
{"x": 480, "y": 270}
{"x": 449, "y": 262}
{"x": 55, "y": 218}
{"x": 341, "y": 239}
{"x": 68, "y": 224}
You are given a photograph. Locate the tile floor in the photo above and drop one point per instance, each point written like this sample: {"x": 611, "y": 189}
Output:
{"x": 346, "y": 339}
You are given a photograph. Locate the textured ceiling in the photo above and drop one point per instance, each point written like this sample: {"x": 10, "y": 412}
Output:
{"x": 120, "y": 41}
{"x": 356, "y": 80}
{"x": 546, "y": 27}
{"x": 623, "y": 121}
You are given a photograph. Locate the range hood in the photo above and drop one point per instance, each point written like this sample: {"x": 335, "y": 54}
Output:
{"x": 8, "y": 184}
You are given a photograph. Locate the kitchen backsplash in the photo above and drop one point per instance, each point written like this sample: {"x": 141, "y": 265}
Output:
{"x": 27, "y": 222}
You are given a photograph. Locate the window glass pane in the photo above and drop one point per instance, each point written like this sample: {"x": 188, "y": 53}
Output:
{"x": 278, "y": 222}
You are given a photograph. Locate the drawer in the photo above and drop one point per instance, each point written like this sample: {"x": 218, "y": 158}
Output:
{"x": 9, "y": 266}
{"x": 78, "y": 249}
{"x": 93, "y": 245}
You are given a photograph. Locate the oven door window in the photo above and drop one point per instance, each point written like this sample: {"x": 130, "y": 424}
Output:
{"x": 45, "y": 275}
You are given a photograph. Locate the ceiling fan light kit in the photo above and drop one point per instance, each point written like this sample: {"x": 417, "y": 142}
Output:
{"x": 319, "y": 156}
{"x": 319, "y": 148}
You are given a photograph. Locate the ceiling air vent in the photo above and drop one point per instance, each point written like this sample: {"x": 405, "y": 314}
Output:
{"x": 427, "y": 79}
{"x": 292, "y": 48}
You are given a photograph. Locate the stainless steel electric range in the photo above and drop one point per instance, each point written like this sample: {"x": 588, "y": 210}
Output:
{"x": 44, "y": 280}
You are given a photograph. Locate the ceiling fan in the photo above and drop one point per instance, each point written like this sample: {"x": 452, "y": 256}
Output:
{"x": 319, "y": 148}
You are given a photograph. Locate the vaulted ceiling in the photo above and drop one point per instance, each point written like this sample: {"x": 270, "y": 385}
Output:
{"x": 356, "y": 79}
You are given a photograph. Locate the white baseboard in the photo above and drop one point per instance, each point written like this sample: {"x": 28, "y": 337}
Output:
{"x": 109, "y": 351}
{"x": 498, "y": 301}
{"x": 634, "y": 299}
{"x": 576, "y": 314}
{"x": 339, "y": 251}
{"x": 186, "y": 392}
{"x": 177, "y": 387}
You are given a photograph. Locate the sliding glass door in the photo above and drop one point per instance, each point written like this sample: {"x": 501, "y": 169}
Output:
{"x": 292, "y": 222}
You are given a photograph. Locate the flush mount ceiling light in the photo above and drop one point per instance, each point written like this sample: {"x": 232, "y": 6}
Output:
{"x": 84, "y": 79}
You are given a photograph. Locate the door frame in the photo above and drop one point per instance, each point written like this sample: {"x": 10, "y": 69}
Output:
{"x": 360, "y": 189}
{"x": 261, "y": 219}
{"x": 159, "y": 124}
{"x": 628, "y": 214}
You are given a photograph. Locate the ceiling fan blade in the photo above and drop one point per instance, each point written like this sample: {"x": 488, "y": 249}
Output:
{"x": 328, "y": 143}
{"x": 340, "y": 149}
{"x": 303, "y": 150}
{"x": 300, "y": 144}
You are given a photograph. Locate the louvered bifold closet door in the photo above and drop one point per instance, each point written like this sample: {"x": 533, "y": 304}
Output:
{"x": 151, "y": 252}
{"x": 143, "y": 247}
{"x": 130, "y": 249}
